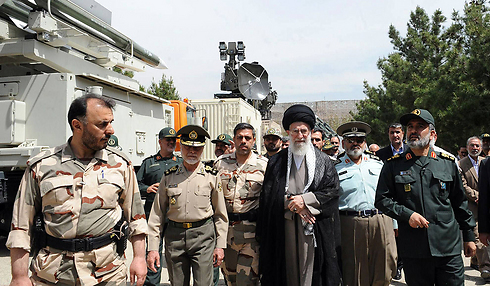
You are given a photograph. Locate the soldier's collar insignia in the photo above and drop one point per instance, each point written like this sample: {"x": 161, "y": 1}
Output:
{"x": 416, "y": 112}
{"x": 171, "y": 132}
{"x": 347, "y": 161}
{"x": 111, "y": 142}
{"x": 174, "y": 158}
{"x": 193, "y": 134}
{"x": 433, "y": 154}
{"x": 408, "y": 156}
{"x": 159, "y": 157}
{"x": 222, "y": 137}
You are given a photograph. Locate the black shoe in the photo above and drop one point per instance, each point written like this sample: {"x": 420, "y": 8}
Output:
{"x": 474, "y": 266}
{"x": 398, "y": 275}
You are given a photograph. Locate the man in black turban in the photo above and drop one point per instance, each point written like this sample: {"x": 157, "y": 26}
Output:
{"x": 298, "y": 225}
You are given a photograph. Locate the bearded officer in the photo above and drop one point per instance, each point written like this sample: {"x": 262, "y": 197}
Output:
{"x": 149, "y": 176}
{"x": 82, "y": 189}
{"x": 190, "y": 196}
{"x": 368, "y": 240}
{"x": 423, "y": 191}
{"x": 272, "y": 142}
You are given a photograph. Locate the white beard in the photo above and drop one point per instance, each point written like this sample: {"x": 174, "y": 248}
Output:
{"x": 421, "y": 143}
{"x": 300, "y": 148}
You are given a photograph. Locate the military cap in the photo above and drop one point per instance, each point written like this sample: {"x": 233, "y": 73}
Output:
{"x": 223, "y": 138}
{"x": 327, "y": 145}
{"x": 354, "y": 129}
{"x": 167, "y": 132}
{"x": 193, "y": 135}
{"x": 418, "y": 113}
{"x": 272, "y": 132}
{"x": 484, "y": 135}
{"x": 113, "y": 142}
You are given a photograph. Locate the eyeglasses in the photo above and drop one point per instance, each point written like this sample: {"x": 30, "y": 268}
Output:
{"x": 298, "y": 131}
{"x": 355, "y": 139}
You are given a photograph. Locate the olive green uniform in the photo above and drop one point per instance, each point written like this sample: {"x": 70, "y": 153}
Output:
{"x": 77, "y": 200}
{"x": 151, "y": 172}
{"x": 198, "y": 223}
{"x": 431, "y": 186}
{"x": 241, "y": 188}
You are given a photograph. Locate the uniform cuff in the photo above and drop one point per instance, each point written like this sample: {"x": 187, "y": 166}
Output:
{"x": 468, "y": 235}
{"x": 19, "y": 239}
{"x": 137, "y": 227}
{"x": 153, "y": 243}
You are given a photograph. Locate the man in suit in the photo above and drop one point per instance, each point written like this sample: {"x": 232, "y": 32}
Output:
{"x": 395, "y": 133}
{"x": 469, "y": 166}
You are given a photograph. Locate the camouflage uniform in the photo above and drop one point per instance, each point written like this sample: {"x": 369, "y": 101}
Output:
{"x": 77, "y": 201}
{"x": 188, "y": 199}
{"x": 241, "y": 188}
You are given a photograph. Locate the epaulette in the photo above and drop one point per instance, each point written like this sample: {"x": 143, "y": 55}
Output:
{"x": 211, "y": 170}
{"x": 119, "y": 153}
{"x": 341, "y": 154}
{"x": 447, "y": 156}
{"x": 371, "y": 155}
{"x": 42, "y": 155}
{"x": 209, "y": 163}
{"x": 394, "y": 157}
{"x": 171, "y": 170}
{"x": 336, "y": 161}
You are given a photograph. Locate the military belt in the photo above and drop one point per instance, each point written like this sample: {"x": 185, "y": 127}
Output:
{"x": 80, "y": 244}
{"x": 364, "y": 213}
{"x": 250, "y": 216}
{"x": 187, "y": 225}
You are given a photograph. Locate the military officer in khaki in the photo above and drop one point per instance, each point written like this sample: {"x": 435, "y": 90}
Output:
{"x": 82, "y": 189}
{"x": 190, "y": 196}
{"x": 242, "y": 174}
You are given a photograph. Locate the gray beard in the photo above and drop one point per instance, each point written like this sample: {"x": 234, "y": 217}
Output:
{"x": 356, "y": 153}
{"x": 419, "y": 144}
{"x": 300, "y": 148}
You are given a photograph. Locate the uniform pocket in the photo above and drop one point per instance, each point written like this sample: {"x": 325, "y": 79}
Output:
{"x": 46, "y": 265}
{"x": 107, "y": 260}
{"x": 254, "y": 183}
{"x": 110, "y": 185}
{"x": 442, "y": 182}
{"x": 404, "y": 184}
{"x": 173, "y": 195}
{"x": 203, "y": 196}
{"x": 55, "y": 192}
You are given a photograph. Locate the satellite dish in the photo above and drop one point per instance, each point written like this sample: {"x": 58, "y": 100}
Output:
{"x": 253, "y": 81}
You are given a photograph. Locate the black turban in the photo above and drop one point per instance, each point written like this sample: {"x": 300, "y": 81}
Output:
{"x": 297, "y": 113}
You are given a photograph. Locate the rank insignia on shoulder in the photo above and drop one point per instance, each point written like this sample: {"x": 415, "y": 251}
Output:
{"x": 407, "y": 187}
{"x": 211, "y": 170}
{"x": 394, "y": 157}
{"x": 446, "y": 156}
{"x": 171, "y": 170}
{"x": 173, "y": 201}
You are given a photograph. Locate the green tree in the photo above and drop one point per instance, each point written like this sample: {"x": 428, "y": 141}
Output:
{"x": 443, "y": 70}
{"x": 164, "y": 89}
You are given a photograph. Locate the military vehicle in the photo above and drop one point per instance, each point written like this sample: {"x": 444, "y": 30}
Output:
{"x": 52, "y": 52}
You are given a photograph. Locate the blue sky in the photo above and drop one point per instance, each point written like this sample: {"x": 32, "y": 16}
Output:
{"x": 312, "y": 50}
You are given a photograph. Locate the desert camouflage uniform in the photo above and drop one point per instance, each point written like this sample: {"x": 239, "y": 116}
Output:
{"x": 241, "y": 188}
{"x": 77, "y": 201}
{"x": 186, "y": 198}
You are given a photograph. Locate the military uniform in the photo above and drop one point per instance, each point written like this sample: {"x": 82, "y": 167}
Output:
{"x": 195, "y": 207}
{"x": 151, "y": 172}
{"x": 368, "y": 240}
{"x": 241, "y": 189}
{"x": 431, "y": 186}
{"x": 77, "y": 200}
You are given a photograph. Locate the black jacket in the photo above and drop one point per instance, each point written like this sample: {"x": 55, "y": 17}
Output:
{"x": 386, "y": 152}
{"x": 270, "y": 224}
